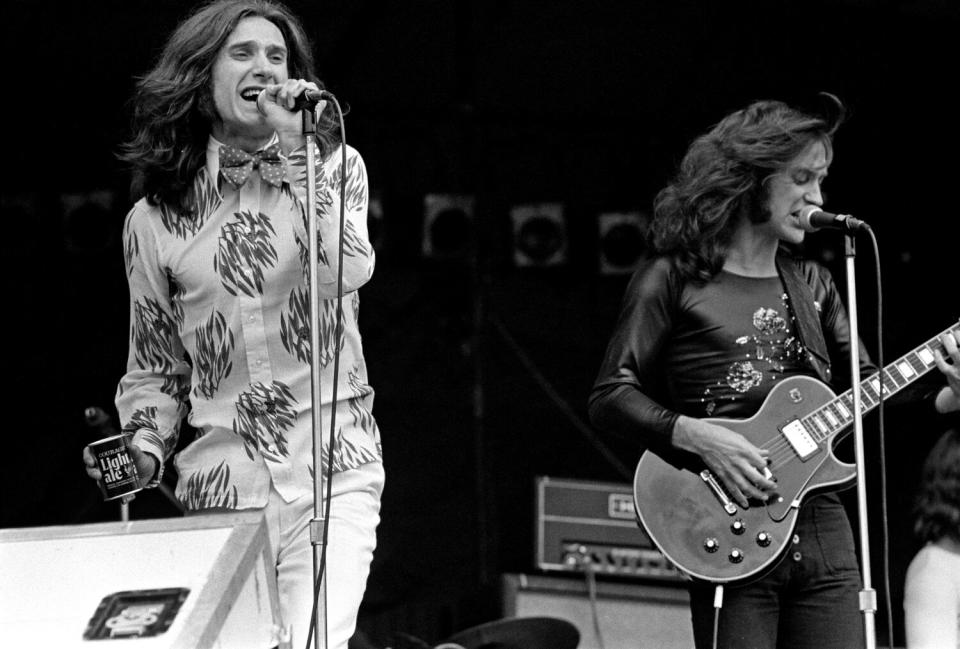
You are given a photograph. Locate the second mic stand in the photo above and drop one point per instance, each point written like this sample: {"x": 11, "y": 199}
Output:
{"x": 868, "y": 596}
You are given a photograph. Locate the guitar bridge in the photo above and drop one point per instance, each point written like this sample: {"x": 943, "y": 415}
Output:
{"x": 718, "y": 491}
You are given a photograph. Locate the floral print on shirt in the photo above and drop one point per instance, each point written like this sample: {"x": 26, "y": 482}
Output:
{"x": 765, "y": 354}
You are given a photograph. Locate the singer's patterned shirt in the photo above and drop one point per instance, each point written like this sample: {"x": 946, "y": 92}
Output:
{"x": 219, "y": 332}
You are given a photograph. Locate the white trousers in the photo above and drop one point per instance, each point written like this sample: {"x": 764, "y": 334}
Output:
{"x": 354, "y": 515}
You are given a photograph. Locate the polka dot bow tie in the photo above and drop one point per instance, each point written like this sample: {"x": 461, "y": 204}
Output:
{"x": 237, "y": 165}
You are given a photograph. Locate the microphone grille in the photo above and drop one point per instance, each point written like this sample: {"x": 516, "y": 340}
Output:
{"x": 806, "y": 214}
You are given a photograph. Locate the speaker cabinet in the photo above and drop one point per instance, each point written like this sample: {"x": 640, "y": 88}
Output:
{"x": 209, "y": 580}
{"x": 631, "y": 615}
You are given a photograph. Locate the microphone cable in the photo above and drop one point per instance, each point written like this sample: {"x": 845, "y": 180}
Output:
{"x": 591, "y": 576}
{"x": 338, "y": 331}
{"x": 881, "y": 419}
{"x": 581, "y": 559}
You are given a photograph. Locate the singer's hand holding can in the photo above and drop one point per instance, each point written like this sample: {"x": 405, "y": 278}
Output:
{"x": 118, "y": 472}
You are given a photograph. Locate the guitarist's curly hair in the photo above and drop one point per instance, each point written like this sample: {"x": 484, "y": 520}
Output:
{"x": 722, "y": 176}
{"x": 937, "y": 506}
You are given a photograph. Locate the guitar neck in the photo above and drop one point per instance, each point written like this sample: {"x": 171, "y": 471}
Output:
{"x": 836, "y": 415}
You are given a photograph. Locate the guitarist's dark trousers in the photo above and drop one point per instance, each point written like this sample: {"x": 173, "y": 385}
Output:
{"x": 802, "y": 603}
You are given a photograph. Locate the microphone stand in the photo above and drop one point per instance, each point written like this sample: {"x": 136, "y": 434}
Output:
{"x": 868, "y": 596}
{"x": 318, "y": 522}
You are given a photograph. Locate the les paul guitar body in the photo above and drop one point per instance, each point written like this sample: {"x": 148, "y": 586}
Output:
{"x": 707, "y": 535}
{"x": 714, "y": 539}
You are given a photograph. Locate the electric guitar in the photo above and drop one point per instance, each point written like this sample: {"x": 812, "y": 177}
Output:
{"x": 697, "y": 525}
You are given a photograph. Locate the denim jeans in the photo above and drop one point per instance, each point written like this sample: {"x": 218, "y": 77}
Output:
{"x": 809, "y": 601}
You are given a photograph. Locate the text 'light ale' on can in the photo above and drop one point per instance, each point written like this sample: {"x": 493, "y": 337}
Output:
{"x": 119, "y": 473}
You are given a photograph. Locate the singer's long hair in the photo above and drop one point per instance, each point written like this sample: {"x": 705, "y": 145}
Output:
{"x": 937, "y": 505}
{"x": 722, "y": 176}
{"x": 173, "y": 107}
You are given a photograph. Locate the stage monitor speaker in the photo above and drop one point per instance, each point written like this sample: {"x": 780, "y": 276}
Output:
{"x": 631, "y": 615}
{"x": 195, "y": 582}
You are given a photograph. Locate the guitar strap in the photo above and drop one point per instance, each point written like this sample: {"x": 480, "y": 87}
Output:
{"x": 804, "y": 310}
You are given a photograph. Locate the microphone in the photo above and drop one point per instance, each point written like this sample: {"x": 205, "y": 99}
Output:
{"x": 308, "y": 99}
{"x": 812, "y": 218}
{"x": 99, "y": 421}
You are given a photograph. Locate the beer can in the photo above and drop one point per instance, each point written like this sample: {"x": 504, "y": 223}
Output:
{"x": 119, "y": 476}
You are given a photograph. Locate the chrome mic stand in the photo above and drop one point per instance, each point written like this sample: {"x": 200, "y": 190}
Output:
{"x": 319, "y": 522}
{"x": 868, "y": 596}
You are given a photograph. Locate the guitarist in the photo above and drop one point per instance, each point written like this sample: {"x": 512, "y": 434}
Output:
{"x": 714, "y": 318}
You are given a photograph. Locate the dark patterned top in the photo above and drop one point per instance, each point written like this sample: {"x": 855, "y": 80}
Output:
{"x": 733, "y": 343}
{"x": 707, "y": 350}
{"x": 219, "y": 329}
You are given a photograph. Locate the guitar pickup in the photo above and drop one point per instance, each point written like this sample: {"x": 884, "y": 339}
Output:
{"x": 718, "y": 491}
{"x": 800, "y": 440}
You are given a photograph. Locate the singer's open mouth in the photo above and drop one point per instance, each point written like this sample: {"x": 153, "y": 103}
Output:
{"x": 250, "y": 94}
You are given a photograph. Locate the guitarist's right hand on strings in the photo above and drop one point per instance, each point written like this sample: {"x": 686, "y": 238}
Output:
{"x": 737, "y": 463}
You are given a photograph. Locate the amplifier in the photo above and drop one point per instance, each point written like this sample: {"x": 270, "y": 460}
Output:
{"x": 618, "y": 614}
{"x": 583, "y": 523}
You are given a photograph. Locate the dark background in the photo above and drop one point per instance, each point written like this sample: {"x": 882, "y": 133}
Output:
{"x": 589, "y": 104}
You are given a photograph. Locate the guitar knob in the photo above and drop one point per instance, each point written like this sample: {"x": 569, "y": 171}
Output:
{"x": 711, "y": 545}
{"x": 736, "y": 556}
{"x": 763, "y": 539}
{"x": 737, "y": 527}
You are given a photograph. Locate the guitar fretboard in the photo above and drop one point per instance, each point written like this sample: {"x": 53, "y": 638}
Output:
{"x": 836, "y": 415}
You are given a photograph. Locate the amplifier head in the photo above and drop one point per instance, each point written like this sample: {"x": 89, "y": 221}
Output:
{"x": 581, "y": 522}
